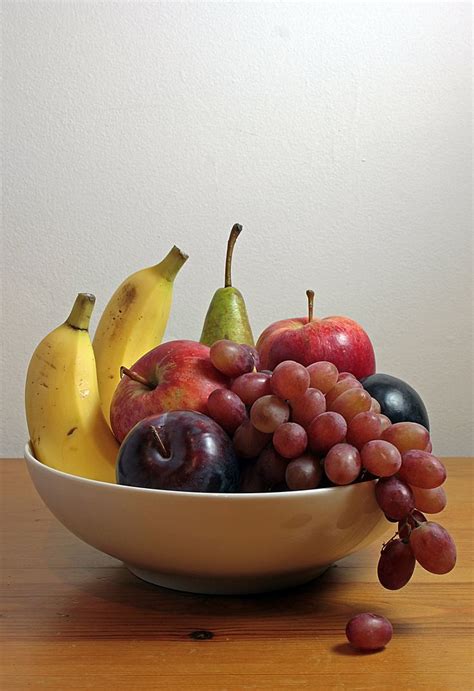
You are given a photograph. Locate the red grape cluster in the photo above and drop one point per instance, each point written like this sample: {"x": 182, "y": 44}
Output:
{"x": 296, "y": 427}
{"x": 302, "y": 427}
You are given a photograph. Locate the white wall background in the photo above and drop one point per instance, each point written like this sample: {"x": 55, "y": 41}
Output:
{"x": 337, "y": 134}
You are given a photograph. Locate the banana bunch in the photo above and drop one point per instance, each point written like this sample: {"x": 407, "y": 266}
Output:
{"x": 134, "y": 322}
{"x": 70, "y": 381}
{"x": 65, "y": 421}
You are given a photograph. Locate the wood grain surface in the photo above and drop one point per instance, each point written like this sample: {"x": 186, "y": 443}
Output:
{"x": 73, "y": 618}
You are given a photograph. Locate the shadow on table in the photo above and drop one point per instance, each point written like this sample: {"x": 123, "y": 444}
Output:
{"x": 100, "y": 598}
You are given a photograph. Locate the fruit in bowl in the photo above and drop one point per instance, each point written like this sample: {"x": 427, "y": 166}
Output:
{"x": 177, "y": 375}
{"x": 227, "y": 316}
{"x": 133, "y": 321}
{"x": 182, "y": 450}
{"x": 319, "y": 459}
{"x": 212, "y": 542}
{"x": 398, "y": 400}
{"x": 65, "y": 422}
{"x": 338, "y": 340}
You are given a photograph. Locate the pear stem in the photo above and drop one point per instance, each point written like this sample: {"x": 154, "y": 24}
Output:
{"x": 160, "y": 443}
{"x": 234, "y": 234}
{"x": 310, "y": 296}
{"x": 135, "y": 376}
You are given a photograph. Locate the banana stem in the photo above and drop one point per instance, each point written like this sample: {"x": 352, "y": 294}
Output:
{"x": 234, "y": 234}
{"x": 172, "y": 263}
{"x": 80, "y": 315}
{"x": 135, "y": 376}
{"x": 310, "y": 296}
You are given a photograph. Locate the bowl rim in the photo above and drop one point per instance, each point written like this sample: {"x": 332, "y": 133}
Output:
{"x": 233, "y": 496}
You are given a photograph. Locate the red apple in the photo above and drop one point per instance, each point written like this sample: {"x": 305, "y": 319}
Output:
{"x": 173, "y": 376}
{"x": 339, "y": 340}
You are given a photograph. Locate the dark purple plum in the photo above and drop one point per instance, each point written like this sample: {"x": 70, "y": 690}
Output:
{"x": 398, "y": 400}
{"x": 181, "y": 450}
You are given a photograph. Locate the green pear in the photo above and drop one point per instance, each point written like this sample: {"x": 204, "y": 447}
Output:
{"x": 227, "y": 314}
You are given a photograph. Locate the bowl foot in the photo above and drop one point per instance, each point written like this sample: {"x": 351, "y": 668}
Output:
{"x": 244, "y": 585}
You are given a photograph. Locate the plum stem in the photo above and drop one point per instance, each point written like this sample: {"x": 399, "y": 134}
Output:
{"x": 159, "y": 441}
{"x": 310, "y": 296}
{"x": 135, "y": 376}
{"x": 234, "y": 234}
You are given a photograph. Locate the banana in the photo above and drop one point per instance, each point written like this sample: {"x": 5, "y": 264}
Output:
{"x": 65, "y": 421}
{"x": 134, "y": 322}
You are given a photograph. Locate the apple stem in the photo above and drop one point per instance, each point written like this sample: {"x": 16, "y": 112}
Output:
{"x": 310, "y": 296}
{"x": 161, "y": 447}
{"x": 234, "y": 234}
{"x": 135, "y": 376}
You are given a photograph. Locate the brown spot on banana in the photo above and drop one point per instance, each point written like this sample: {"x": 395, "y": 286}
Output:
{"x": 125, "y": 298}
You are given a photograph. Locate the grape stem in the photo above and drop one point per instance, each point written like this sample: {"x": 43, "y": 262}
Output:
{"x": 415, "y": 520}
{"x": 234, "y": 234}
{"x": 135, "y": 376}
{"x": 384, "y": 544}
{"x": 310, "y": 296}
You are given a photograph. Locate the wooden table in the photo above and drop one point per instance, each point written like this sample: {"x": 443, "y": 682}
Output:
{"x": 73, "y": 618}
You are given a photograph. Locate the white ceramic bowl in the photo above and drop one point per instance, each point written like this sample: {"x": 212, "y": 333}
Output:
{"x": 214, "y": 543}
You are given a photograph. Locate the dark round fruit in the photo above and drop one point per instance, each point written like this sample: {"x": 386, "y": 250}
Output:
{"x": 181, "y": 450}
{"x": 398, "y": 400}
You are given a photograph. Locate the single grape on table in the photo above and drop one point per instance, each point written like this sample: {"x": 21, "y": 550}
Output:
{"x": 369, "y": 631}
